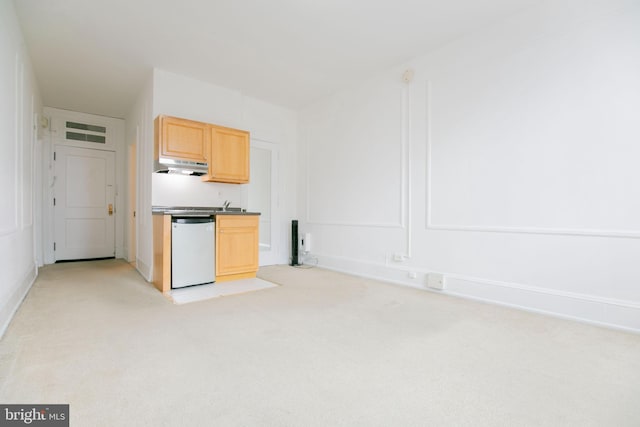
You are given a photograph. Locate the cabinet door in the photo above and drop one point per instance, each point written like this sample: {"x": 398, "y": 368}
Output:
{"x": 229, "y": 156}
{"x": 184, "y": 139}
{"x": 236, "y": 244}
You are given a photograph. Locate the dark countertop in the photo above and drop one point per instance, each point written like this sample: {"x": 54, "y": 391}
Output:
{"x": 198, "y": 211}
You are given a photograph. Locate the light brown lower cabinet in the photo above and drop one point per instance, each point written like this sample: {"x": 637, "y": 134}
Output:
{"x": 237, "y": 239}
{"x": 162, "y": 253}
{"x": 236, "y": 246}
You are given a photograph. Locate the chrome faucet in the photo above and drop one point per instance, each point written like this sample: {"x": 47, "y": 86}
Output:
{"x": 225, "y": 205}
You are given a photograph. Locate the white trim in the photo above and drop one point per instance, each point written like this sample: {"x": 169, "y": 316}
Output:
{"x": 144, "y": 270}
{"x": 357, "y": 224}
{"x": 7, "y": 228}
{"x": 113, "y": 136}
{"x": 536, "y": 289}
{"x": 538, "y": 230}
{"x": 8, "y": 231}
{"x": 13, "y": 303}
{"x": 428, "y": 144}
{"x": 407, "y": 218}
{"x": 593, "y": 309}
{"x": 429, "y": 225}
{"x": 28, "y": 214}
{"x": 20, "y": 143}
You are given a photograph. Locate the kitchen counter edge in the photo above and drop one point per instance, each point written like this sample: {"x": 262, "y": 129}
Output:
{"x": 198, "y": 212}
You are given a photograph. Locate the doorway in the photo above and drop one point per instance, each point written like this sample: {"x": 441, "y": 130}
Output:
{"x": 262, "y": 195}
{"x": 84, "y": 200}
{"x": 84, "y": 186}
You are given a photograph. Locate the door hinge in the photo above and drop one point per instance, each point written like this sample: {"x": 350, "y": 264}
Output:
{"x": 54, "y": 156}
{"x": 54, "y": 201}
{"x": 54, "y": 246}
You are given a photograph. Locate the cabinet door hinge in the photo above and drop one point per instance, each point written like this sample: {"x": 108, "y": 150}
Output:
{"x": 54, "y": 155}
{"x": 54, "y": 246}
{"x": 54, "y": 201}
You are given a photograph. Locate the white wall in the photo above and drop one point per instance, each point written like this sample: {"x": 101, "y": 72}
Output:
{"x": 20, "y": 144}
{"x": 180, "y": 96}
{"x": 507, "y": 164}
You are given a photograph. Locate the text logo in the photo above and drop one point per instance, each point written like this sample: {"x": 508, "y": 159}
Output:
{"x": 34, "y": 415}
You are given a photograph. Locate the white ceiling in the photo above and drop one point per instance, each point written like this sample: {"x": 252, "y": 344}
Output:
{"x": 94, "y": 55}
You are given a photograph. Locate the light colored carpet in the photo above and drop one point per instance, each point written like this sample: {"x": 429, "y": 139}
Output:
{"x": 322, "y": 349}
{"x": 219, "y": 289}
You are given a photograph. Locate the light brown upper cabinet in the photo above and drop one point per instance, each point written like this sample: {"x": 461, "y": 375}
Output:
{"x": 228, "y": 156}
{"x": 181, "y": 138}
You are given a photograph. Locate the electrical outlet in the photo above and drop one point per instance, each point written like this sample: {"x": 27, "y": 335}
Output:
{"x": 435, "y": 281}
{"x": 397, "y": 257}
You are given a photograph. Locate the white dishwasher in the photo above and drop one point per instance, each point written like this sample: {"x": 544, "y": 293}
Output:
{"x": 193, "y": 251}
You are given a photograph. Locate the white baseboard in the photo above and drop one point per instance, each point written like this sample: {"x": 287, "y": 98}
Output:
{"x": 14, "y": 301}
{"x": 144, "y": 270}
{"x": 611, "y": 313}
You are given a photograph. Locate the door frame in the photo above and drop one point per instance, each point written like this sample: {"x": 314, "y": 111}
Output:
{"x": 273, "y": 255}
{"x": 132, "y": 201}
{"x": 54, "y": 136}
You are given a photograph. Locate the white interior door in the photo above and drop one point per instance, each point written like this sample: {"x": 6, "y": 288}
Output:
{"x": 84, "y": 194}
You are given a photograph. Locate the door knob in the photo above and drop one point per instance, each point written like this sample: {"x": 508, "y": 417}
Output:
{"x": 110, "y": 209}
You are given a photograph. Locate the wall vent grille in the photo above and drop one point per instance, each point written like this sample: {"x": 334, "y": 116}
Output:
{"x": 92, "y": 133}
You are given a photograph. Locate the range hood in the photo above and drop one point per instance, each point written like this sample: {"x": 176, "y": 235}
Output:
{"x": 179, "y": 166}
